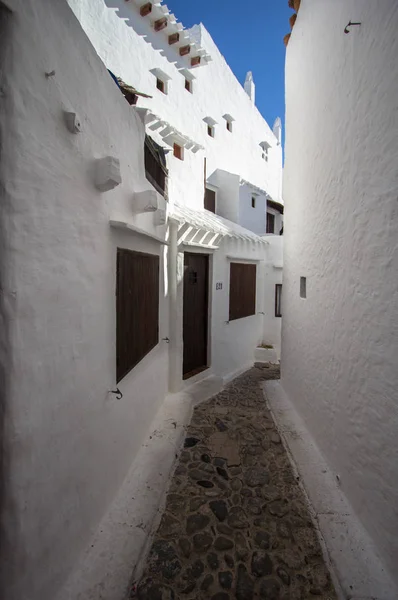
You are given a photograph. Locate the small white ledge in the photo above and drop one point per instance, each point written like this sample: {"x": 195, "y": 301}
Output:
{"x": 160, "y": 74}
{"x": 245, "y": 259}
{"x": 198, "y": 245}
{"x": 210, "y": 121}
{"x": 124, "y": 225}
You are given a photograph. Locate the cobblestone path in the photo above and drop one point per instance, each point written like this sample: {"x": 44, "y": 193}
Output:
{"x": 236, "y": 524}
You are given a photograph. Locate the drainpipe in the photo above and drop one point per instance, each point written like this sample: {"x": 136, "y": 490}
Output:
{"x": 173, "y": 313}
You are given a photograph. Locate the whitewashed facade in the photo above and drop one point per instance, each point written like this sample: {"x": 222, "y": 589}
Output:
{"x": 74, "y": 191}
{"x": 340, "y": 330}
{"x": 131, "y": 48}
{"x": 241, "y": 160}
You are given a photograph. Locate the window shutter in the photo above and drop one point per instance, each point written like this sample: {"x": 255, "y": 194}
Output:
{"x": 155, "y": 165}
{"x": 270, "y": 223}
{"x": 137, "y": 308}
{"x": 210, "y": 200}
{"x": 242, "y": 291}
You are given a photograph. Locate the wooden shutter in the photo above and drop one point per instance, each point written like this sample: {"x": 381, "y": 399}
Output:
{"x": 210, "y": 200}
{"x": 137, "y": 308}
{"x": 270, "y": 223}
{"x": 242, "y": 291}
{"x": 155, "y": 171}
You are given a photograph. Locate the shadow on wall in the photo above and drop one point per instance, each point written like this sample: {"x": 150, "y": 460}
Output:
{"x": 5, "y": 25}
{"x": 143, "y": 28}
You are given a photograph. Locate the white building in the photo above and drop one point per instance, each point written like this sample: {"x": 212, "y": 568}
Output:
{"x": 203, "y": 109}
{"x": 85, "y": 377}
{"x": 221, "y": 154}
{"x": 340, "y": 302}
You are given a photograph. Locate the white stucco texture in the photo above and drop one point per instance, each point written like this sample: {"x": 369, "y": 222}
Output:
{"x": 339, "y": 345}
{"x": 216, "y": 92}
{"x": 69, "y": 442}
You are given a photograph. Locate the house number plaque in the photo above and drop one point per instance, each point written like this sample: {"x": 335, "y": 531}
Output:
{"x": 219, "y": 285}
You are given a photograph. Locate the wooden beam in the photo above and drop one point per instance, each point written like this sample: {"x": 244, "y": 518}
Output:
{"x": 184, "y": 50}
{"x": 145, "y": 9}
{"x": 173, "y": 38}
{"x": 195, "y": 61}
{"x": 160, "y": 24}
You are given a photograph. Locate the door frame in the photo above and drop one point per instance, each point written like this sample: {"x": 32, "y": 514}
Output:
{"x": 176, "y": 348}
{"x": 201, "y": 369}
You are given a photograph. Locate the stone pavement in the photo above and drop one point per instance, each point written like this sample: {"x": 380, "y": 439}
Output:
{"x": 236, "y": 524}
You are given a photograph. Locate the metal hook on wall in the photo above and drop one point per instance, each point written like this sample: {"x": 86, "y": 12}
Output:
{"x": 346, "y": 30}
{"x": 118, "y": 393}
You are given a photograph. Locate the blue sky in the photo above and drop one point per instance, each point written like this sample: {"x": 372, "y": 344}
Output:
{"x": 250, "y": 36}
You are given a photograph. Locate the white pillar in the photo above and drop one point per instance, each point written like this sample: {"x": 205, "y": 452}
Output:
{"x": 174, "y": 366}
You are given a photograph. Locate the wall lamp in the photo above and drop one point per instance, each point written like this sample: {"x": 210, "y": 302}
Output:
{"x": 346, "y": 30}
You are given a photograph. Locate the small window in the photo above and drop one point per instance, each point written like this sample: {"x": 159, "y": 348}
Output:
{"x": 278, "y": 300}
{"x": 303, "y": 287}
{"x": 161, "y": 85}
{"x": 210, "y": 131}
{"x": 264, "y": 154}
{"x": 242, "y": 290}
{"x": 178, "y": 151}
{"x": 253, "y": 201}
{"x": 228, "y": 121}
{"x": 137, "y": 308}
{"x": 270, "y": 223}
{"x": 188, "y": 85}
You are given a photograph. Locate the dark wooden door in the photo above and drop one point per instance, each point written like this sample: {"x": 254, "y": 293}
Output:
{"x": 196, "y": 294}
{"x": 210, "y": 200}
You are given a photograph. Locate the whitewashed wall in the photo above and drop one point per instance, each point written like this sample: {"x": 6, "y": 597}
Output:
{"x": 227, "y": 199}
{"x": 340, "y": 344}
{"x": 231, "y": 344}
{"x": 131, "y": 52}
{"x": 253, "y": 218}
{"x": 234, "y": 342}
{"x": 69, "y": 443}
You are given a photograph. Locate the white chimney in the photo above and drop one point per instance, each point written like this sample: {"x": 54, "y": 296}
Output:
{"x": 249, "y": 86}
{"x": 277, "y": 129}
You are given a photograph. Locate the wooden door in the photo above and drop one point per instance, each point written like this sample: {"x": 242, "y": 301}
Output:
{"x": 196, "y": 294}
{"x": 210, "y": 200}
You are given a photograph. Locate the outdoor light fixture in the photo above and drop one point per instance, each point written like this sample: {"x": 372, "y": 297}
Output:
{"x": 107, "y": 173}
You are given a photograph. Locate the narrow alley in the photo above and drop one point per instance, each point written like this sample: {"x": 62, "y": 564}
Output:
{"x": 236, "y": 523}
